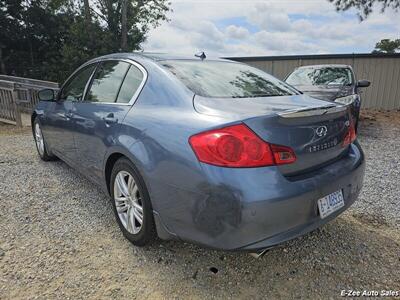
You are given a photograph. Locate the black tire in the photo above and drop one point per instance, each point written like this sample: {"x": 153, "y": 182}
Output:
{"x": 147, "y": 233}
{"x": 44, "y": 154}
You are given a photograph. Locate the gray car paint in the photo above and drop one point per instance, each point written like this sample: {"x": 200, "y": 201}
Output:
{"x": 224, "y": 208}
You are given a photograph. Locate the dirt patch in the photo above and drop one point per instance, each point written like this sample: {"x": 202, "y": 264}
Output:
{"x": 371, "y": 115}
{"x": 7, "y": 129}
{"x": 371, "y": 219}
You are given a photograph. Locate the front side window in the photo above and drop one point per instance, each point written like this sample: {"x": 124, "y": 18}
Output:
{"x": 321, "y": 76}
{"x": 107, "y": 81}
{"x": 74, "y": 89}
{"x": 222, "y": 79}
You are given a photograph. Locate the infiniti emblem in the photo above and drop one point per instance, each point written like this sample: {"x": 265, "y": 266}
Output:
{"x": 321, "y": 131}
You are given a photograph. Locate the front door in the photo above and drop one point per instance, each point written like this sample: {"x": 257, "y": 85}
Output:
{"x": 60, "y": 122}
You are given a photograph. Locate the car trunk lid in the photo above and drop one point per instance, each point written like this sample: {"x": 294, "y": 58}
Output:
{"x": 314, "y": 129}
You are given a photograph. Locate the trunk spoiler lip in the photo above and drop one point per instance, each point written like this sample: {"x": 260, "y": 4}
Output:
{"x": 312, "y": 111}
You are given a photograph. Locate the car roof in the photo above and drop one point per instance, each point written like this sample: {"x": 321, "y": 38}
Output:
{"x": 326, "y": 66}
{"x": 153, "y": 56}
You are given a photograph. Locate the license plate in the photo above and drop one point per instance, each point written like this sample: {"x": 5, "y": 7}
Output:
{"x": 330, "y": 203}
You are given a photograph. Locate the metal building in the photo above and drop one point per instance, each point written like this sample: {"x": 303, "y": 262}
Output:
{"x": 383, "y": 70}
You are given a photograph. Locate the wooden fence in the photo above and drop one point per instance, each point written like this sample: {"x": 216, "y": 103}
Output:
{"x": 20, "y": 95}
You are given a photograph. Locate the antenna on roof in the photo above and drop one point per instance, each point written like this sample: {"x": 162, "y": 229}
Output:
{"x": 201, "y": 55}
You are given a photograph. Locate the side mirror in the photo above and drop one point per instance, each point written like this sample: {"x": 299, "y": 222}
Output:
{"x": 46, "y": 95}
{"x": 363, "y": 83}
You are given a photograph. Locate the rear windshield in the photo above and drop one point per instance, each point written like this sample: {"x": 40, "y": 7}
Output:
{"x": 221, "y": 79}
{"x": 321, "y": 76}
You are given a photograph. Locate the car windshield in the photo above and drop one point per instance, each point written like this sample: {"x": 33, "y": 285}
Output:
{"x": 222, "y": 79}
{"x": 321, "y": 76}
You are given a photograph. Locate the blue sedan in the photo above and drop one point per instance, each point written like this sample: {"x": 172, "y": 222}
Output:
{"x": 204, "y": 150}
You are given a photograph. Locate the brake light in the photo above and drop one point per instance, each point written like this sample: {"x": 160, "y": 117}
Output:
{"x": 350, "y": 135}
{"x": 238, "y": 146}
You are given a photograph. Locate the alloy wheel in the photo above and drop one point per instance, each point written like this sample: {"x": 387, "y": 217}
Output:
{"x": 39, "y": 139}
{"x": 128, "y": 202}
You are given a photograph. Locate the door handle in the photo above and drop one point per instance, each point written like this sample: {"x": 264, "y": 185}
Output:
{"x": 68, "y": 115}
{"x": 109, "y": 119}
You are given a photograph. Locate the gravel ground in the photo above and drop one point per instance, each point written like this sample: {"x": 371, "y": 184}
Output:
{"x": 380, "y": 198}
{"x": 58, "y": 238}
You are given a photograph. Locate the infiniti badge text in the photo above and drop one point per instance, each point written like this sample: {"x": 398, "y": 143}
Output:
{"x": 323, "y": 146}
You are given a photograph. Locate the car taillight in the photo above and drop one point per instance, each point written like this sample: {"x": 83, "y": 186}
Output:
{"x": 350, "y": 135}
{"x": 238, "y": 146}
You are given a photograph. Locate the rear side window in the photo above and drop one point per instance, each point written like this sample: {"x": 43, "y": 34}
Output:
{"x": 221, "y": 79}
{"x": 107, "y": 81}
{"x": 132, "y": 82}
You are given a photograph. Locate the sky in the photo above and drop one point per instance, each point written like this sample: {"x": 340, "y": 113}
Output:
{"x": 257, "y": 28}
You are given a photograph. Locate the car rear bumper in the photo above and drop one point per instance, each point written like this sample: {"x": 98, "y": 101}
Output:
{"x": 255, "y": 208}
{"x": 299, "y": 215}
{"x": 308, "y": 226}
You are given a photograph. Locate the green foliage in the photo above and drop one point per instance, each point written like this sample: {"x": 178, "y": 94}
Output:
{"x": 48, "y": 39}
{"x": 365, "y": 7}
{"x": 387, "y": 46}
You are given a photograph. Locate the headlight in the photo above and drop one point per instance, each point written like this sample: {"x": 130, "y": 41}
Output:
{"x": 348, "y": 99}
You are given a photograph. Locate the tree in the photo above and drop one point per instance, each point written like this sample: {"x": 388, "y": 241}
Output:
{"x": 48, "y": 39}
{"x": 87, "y": 12}
{"x": 124, "y": 25}
{"x": 130, "y": 20}
{"x": 30, "y": 38}
{"x": 365, "y": 7}
{"x": 387, "y": 46}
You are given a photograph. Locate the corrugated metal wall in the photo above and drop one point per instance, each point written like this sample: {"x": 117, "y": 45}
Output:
{"x": 382, "y": 70}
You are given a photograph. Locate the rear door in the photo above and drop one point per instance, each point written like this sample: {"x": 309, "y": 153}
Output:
{"x": 111, "y": 93}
